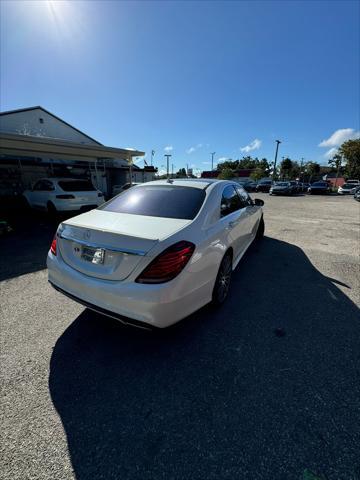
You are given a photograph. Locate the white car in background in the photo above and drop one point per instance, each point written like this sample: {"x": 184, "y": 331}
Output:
{"x": 63, "y": 194}
{"x": 346, "y": 189}
{"x": 157, "y": 252}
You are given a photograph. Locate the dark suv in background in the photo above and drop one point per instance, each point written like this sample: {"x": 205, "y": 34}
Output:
{"x": 264, "y": 186}
{"x": 319, "y": 188}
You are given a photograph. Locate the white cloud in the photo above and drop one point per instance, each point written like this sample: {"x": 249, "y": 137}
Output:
{"x": 330, "y": 153}
{"x": 254, "y": 145}
{"x": 206, "y": 163}
{"x": 340, "y": 136}
{"x": 194, "y": 148}
{"x": 168, "y": 148}
{"x": 222, "y": 159}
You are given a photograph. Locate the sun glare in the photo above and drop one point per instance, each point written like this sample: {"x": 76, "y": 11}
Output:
{"x": 55, "y": 7}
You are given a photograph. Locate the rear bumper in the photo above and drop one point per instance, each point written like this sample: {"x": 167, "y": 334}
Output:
{"x": 103, "y": 311}
{"x": 158, "y": 305}
{"x": 64, "y": 206}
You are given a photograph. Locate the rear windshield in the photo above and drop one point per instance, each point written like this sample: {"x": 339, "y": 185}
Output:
{"x": 76, "y": 186}
{"x": 158, "y": 201}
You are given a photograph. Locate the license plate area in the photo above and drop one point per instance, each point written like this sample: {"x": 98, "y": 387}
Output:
{"x": 93, "y": 255}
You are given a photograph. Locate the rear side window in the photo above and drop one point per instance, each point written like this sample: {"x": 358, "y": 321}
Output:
{"x": 230, "y": 201}
{"x": 158, "y": 201}
{"x": 244, "y": 197}
{"x": 44, "y": 186}
{"x": 76, "y": 186}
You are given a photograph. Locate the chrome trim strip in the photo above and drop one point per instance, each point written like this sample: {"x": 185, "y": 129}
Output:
{"x": 126, "y": 251}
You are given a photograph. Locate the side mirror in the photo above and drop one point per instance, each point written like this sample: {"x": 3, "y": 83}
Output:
{"x": 258, "y": 202}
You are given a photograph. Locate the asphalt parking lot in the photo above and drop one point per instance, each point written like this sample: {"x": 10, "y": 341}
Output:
{"x": 268, "y": 387}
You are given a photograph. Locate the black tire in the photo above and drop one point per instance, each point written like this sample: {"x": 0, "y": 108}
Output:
{"x": 261, "y": 229}
{"x": 51, "y": 209}
{"x": 223, "y": 280}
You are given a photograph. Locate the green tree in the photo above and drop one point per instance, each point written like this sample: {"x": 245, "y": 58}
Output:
{"x": 258, "y": 173}
{"x": 226, "y": 174}
{"x": 181, "y": 173}
{"x": 295, "y": 170}
{"x": 335, "y": 162}
{"x": 350, "y": 150}
{"x": 246, "y": 163}
{"x": 228, "y": 164}
{"x": 285, "y": 167}
{"x": 312, "y": 169}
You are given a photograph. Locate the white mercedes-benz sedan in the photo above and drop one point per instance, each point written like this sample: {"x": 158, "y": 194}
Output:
{"x": 157, "y": 252}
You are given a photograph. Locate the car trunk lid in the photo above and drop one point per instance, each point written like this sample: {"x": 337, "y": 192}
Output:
{"x": 110, "y": 245}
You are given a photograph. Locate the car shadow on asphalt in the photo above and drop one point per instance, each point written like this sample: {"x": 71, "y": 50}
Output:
{"x": 263, "y": 388}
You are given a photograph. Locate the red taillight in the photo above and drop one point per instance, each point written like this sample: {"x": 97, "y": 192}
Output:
{"x": 168, "y": 264}
{"x": 53, "y": 246}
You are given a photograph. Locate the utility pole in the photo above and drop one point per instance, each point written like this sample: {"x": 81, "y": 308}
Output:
{"x": 212, "y": 160}
{"x": 276, "y": 155}
{"x": 187, "y": 169}
{"x": 172, "y": 170}
{"x": 152, "y": 157}
{"x": 167, "y": 155}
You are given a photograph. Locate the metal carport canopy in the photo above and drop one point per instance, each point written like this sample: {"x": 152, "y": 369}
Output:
{"x": 23, "y": 145}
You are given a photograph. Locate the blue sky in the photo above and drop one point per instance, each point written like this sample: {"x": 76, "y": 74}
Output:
{"x": 189, "y": 77}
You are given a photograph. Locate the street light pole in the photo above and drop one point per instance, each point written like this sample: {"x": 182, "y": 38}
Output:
{"x": 212, "y": 160}
{"x": 167, "y": 155}
{"x": 276, "y": 155}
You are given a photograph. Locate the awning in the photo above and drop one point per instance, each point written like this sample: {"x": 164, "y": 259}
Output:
{"x": 22, "y": 145}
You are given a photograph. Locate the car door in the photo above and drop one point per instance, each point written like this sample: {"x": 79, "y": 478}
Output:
{"x": 34, "y": 196}
{"x": 40, "y": 193}
{"x": 232, "y": 217}
{"x": 250, "y": 217}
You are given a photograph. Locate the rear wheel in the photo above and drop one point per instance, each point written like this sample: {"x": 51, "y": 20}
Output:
{"x": 261, "y": 229}
{"x": 223, "y": 280}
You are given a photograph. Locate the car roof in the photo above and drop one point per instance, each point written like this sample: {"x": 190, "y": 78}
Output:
{"x": 67, "y": 179}
{"x": 201, "y": 183}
